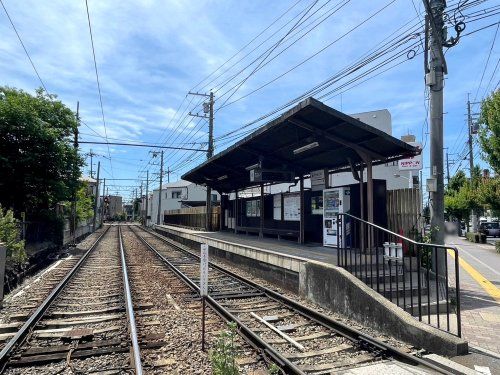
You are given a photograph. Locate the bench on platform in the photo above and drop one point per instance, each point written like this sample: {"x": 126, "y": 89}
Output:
{"x": 272, "y": 231}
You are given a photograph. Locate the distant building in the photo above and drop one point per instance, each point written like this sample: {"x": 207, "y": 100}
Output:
{"x": 113, "y": 207}
{"x": 128, "y": 209}
{"x": 177, "y": 195}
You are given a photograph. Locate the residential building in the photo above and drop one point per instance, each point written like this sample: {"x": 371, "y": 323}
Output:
{"x": 176, "y": 195}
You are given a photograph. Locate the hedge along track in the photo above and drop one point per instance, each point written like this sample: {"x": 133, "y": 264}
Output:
{"x": 297, "y": 338}
{"x": 86, "y": 323}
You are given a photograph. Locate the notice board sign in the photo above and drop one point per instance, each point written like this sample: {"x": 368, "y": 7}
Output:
{"x": 412, "y": 163}
{"x": 204, "y": 270}
{"x": 277, "y": 207}
{"x": 291, "y": 206}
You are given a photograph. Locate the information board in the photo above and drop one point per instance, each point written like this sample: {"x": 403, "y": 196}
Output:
{"x": 291, "y": 203}
{"x": 204, "y": 270}
{"x": 277, "y": 207}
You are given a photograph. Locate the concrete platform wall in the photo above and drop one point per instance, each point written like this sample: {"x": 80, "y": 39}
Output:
{"x": 330, "y": 287}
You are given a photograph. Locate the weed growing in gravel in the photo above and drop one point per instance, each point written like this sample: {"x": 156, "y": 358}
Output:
{"x": 223, "y": 355}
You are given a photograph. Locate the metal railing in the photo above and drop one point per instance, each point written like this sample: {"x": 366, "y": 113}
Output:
{"x": 416, "y": 276}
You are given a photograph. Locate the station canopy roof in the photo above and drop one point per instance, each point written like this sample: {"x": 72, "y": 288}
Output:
{"x": 310, "y": 136}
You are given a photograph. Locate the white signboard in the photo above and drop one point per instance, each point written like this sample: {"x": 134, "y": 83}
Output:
{"x": 318, "y": 180}
{"x": 413, "y": 163}
{"x": 277, "y": 207}
{"x": 291, "y": 203}
{"x": 204, "y": 270}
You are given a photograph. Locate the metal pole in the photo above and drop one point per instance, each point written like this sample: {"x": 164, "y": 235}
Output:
{"x": 103, "y": 206}
{"x": 96, "y": 198}
{"x": 447, "y": 168}
{"x": 147, "y": 198}
{"x": 158, "y": 219}
{"x": 91, "y": 164}
{"x": 210, "y": 152}
{"x": 133, "y": 204}
{"x": 75, "y": 145}
{"x": 471, "y": 161}
{"x": 435, "y": 79}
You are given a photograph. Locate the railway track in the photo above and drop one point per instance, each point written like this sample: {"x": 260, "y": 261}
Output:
{"x": 86, "y": 324}
{"x": 298, "y": 339}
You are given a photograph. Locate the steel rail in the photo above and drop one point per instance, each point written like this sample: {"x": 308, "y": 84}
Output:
{"x": 246, "y": 332}
{"x": 130, "y": 309}
{"x": 26, "y": 328}
{"x": 322, "y": 319}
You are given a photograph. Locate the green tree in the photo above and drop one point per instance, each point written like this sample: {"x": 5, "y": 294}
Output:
{"x": 9, "y": 235}
{"x": 489, "y": 194}
{"x": 38, "y": 164}
{"x": 458, "y": 204}
{"x": 456, "y": 182}
{"x": 489, "y": 130}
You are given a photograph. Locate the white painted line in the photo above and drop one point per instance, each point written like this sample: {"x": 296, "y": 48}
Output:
{"x": 39, "y": 277}
{"x": 482, "y": 370}
{"x": 478, "y": 260}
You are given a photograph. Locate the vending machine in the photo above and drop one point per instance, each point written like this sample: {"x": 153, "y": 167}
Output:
{"x": 336, "y": 200}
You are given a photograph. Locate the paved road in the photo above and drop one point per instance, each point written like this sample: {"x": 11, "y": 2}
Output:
{"x": 480, "y": 293}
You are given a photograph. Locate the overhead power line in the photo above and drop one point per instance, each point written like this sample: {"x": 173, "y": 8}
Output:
{"x": 24, "y": 47}
{"x": 98, "y": 83}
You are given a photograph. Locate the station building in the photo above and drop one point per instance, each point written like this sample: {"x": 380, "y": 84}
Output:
{"x": 291, "y": 177}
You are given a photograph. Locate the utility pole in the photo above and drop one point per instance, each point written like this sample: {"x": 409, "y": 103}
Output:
{"x": 210, "y": 153}
{"x": 75, "y": 145}
{"x": 168, "y": 175}
{"x": 435, "y": 80}
{"x": 96, "y": 198}
{"x": 91, "y": 154}
{"x": 208, "y": 108}
{"x": 133, "y": 204}
{"x": 147, "y": 198}
{"x": 103, "y": 206}
{"x": 447, "y": 168}
{"x": 158, "y": 220}
{"x": 471, "y": 161}
{"x": 140, "y": 204}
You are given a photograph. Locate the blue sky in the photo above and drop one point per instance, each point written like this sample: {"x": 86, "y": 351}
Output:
{"x": 151, "y": 53}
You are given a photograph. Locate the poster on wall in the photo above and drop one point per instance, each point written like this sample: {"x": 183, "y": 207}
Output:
{"x": 317, "y": 205}
{"x": 249, "y": 208}
{"x": 277, "y": 207}
{"x": 291, "y": 204}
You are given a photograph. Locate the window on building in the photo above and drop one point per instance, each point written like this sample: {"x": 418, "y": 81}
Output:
{"x": 176, "y": 194}
{"x": 214, "y": 197}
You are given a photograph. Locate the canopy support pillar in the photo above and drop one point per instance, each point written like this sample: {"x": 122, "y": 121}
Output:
{"x": 261, "y": 228}
{"x": 236, "y": 213}
{"x": 302, "y": 213}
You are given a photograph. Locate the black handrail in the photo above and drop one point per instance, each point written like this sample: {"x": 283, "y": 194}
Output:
{"x": 381, "y": 254}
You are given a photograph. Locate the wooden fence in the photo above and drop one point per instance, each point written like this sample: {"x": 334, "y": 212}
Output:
{"x": 404, "y": 211}
{"x": 192, "y": 217}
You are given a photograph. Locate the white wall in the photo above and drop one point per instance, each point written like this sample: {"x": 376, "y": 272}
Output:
{"x": 189, "y": 192}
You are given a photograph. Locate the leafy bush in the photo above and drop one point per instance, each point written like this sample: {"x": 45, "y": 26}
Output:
{"x": 223, "y": 355}
{"x": 9, "y": 234}
{"x": 497, "y": 246}
{"x": 476, "y": 237}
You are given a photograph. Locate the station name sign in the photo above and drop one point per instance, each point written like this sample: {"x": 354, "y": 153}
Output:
{"x": 270, "y": 175}
{"x": 412, "y": 163}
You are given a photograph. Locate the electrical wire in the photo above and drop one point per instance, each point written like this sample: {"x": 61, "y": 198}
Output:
{"x": 98, "y": 84}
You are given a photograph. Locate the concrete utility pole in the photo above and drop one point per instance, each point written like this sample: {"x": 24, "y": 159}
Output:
{"x": 208, "y": 108}
{"x": 471, "y": 161}
{"x": 91, "y": 154}
{"x": 158, "y": 220}
{"x": 103, "y": 206}
{"x": 210, "y": 153}
{"x": 133, "y": 204}
{"x": 168, "y": 175}
{"x": 147, "y": 198}
{"x": 435, "y": 80}
{"x": 447, "y": 168}
{"x": 75, "y": 145}
{"x": 96, "y": 198}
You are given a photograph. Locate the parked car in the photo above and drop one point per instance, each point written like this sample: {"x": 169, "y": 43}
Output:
{"x": 490, "y": 229}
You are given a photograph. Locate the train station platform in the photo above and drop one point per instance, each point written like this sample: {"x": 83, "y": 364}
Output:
{"x": 266, "y": 244}
{"x": 311, "y": 272}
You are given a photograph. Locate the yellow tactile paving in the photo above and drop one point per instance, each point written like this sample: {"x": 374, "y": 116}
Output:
{"x": 491, "y": 289}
